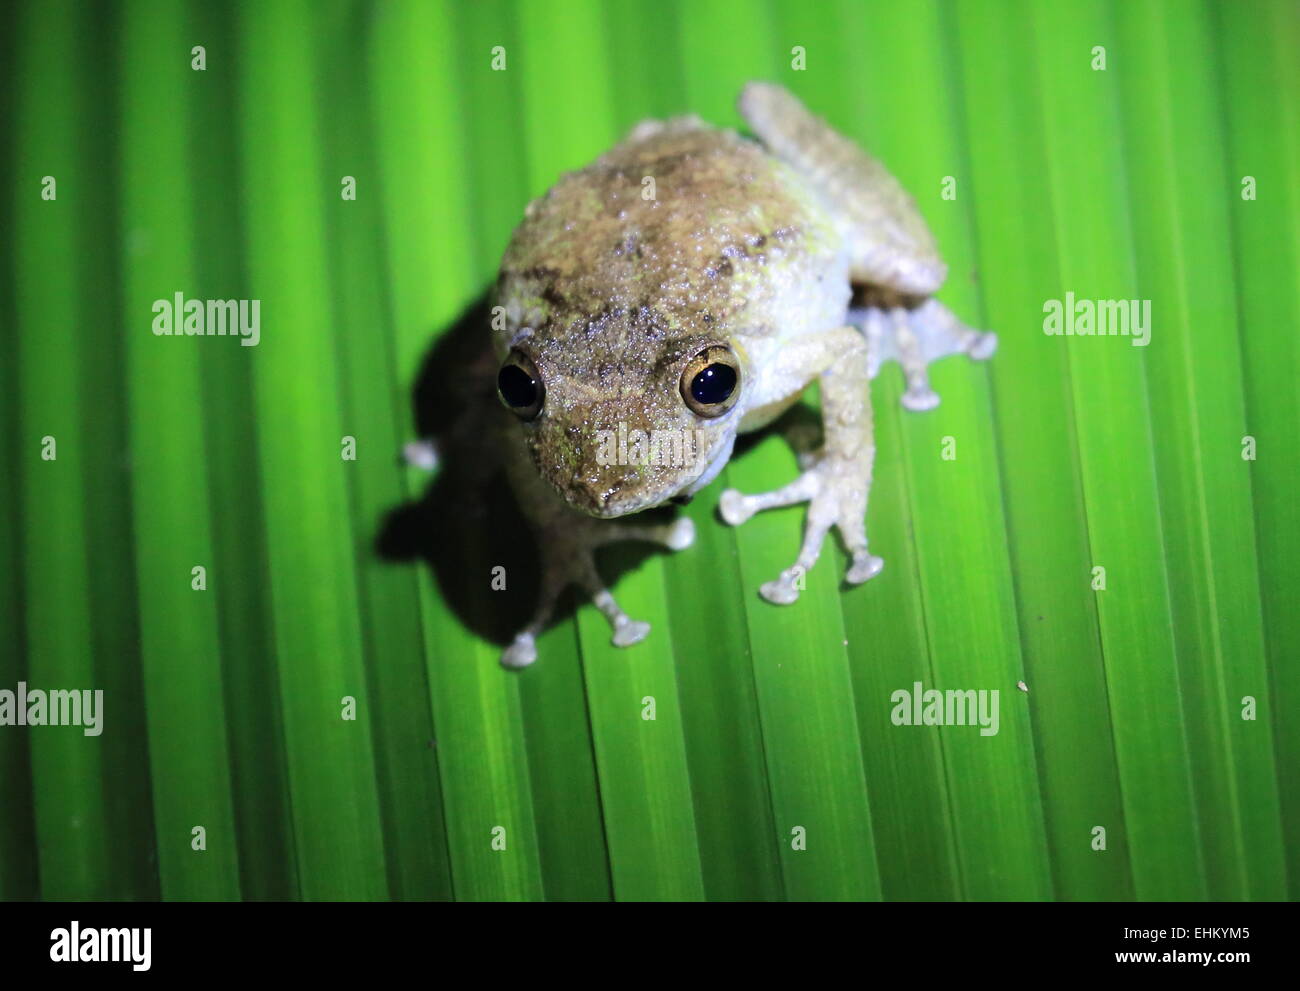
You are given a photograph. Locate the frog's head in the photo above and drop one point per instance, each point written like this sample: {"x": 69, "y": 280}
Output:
{"x": 622, "y": 423}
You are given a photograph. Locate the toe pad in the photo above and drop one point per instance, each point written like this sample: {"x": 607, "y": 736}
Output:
{"x": 630, "y": 631}
{"x": 864, "y": 567}
{"x": 918, "y": 400}
{"x": 984, "y": 347}
{"x": 780, "y": 591}
{"x": 734, "y": 508}
{"x": 682, "y": 534}
{"x": 521, "y": 653}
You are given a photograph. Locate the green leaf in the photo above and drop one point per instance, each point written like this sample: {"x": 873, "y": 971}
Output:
{"x": 1110, "y": 526}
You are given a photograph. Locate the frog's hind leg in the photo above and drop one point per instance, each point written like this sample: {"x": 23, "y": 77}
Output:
{"x": 917, "y": 337}
{"x": 893, "y": 261}
{"x": 888, "y": 242}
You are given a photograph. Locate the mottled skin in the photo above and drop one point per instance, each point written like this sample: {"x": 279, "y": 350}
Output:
{"x": 619, "y": 291}
{"x": 611, "y": 290}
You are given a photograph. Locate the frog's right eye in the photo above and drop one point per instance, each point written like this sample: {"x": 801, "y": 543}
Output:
{"x": 521, "y": 386}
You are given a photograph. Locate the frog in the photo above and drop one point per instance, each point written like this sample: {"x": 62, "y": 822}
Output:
{"x": 688, "y": 286}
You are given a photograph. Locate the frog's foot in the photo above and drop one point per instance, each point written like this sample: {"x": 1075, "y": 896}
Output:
{"x": 522, "y": 650}
{"x": 575, "y": 564}
{"x": 917, "y": 338}
{"x": 625, "y": 630}
{"x": 835, "y": 488}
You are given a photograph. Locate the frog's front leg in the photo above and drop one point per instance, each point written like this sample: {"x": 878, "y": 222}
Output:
{"x": 567, "y": 542}
{"x": 836, "y": 483}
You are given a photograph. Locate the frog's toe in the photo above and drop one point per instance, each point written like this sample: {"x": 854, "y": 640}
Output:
{"x": 624, "y": 630}
{"x": 735, "y": 507}
{"x": 784, "y": 590}
{"x": 920, "y": 397}
{"x": 864, "y": 566}
{"x": 521, "y": 653}
{"x": 629, "y": 631}
{"x": 681, "y": 534}
{"x": 421, "y": 454}
{"x": 675, "y": 536}
{"x": 984, "y": 346}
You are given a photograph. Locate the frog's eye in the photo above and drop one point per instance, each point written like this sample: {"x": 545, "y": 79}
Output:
{"x": 520, "y": 386}
{"x": 711, "y": 380}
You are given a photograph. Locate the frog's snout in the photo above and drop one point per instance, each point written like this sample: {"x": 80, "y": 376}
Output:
{"x": 614, "y": 457}
{"x": 603, "y": 498}
{"x": 609, "y": 492}
{"x": 592, "y": 497}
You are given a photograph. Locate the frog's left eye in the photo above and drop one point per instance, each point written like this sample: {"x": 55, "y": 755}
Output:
{"x": 711, "y": 381}
{"x": 521, "y": 386}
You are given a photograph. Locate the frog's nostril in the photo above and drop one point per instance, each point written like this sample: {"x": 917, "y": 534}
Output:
{"x": 592, "y": 495}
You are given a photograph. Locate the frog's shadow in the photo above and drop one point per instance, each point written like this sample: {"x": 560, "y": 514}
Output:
{"x": 467, "y": 523}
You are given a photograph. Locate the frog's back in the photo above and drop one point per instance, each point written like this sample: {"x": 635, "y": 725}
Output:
{"x": 689, "y": 222}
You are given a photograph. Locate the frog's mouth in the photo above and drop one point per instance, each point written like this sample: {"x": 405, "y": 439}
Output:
{"x": 607, "y": 503}
{"x": 712, "y": 470}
